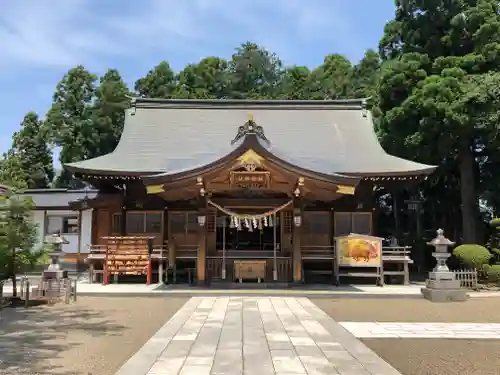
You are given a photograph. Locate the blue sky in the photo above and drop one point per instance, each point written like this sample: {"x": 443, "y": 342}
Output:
{"x": 41, "y": 40}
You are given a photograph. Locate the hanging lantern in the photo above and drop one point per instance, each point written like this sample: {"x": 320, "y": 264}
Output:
{"x": 265, "y": 221}
{"x": 232, "y": 222}
{"x": 260, "y": 224}
{"x": 239, "y": 224}
{"x": 255, "y": 223}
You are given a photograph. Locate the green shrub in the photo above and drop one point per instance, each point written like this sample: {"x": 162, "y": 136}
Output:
{"x": 492, "y": 273}
{"x": 495, "y": 222}
{"x": 474, "y": 256}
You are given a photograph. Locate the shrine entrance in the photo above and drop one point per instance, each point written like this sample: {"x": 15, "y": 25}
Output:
{"x": 248, "y": 245}
{"x": 247, "y": 235}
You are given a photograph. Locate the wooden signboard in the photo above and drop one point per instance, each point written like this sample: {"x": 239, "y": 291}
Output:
{"x": 357, "y": 250}
{"x": 127, "y": 256}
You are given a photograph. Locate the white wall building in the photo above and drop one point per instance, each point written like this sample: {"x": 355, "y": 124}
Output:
{"x": 53, "y": 214}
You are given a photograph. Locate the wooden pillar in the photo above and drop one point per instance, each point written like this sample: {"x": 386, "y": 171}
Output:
{"x": 202, "y": 242}
{"x": 105, "y": 273}
{"x": 172, "y": 260}
{"x": 164, "y": 251}
{"x": 123, "y": 229}
{"x": 297, "y": 254}
{"x": 149, "y": 272}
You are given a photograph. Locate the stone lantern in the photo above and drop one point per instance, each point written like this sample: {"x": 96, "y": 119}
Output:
{"x": 54, "y": 270}
{"x": 442, "y": 285}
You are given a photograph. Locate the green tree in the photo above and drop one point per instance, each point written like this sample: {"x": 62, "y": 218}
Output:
{"x": 32, "y": 156}
{"x": 69, "y": 122}
{"x": 434, "y": 53}
{"x": 160, "y": 82}
{"x": 206, "y": 80}
{"x": 365, "y": 75}
{"x": 254, "y": 73}
{"x": 295, "y": 83}
{"x": 108, "y": 111}
{"x": 18, "y": 237}
{"x": 332, "y": 79}
{"x": 11, "y": 173}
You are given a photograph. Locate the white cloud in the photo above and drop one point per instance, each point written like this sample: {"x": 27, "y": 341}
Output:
{"x": 68, "y": 32}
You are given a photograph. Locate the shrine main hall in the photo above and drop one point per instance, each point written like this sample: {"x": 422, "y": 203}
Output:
{"x": 225, "y": 190}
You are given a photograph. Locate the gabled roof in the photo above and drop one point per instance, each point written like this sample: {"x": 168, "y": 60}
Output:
{"x": 176, "y": 136}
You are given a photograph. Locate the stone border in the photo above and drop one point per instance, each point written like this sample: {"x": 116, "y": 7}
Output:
{"x": 367, "y": 357}
{"x": 145, "y": 357}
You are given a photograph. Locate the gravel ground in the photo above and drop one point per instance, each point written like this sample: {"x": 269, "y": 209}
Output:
{"x": 439, "y": 356}
{"x": 425, "y": 356}
{"x": 93, "y": 336}
{"x": 477, "y": 310}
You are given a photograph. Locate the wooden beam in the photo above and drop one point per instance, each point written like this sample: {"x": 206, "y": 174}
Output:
{"x": 202, "y": 242}
{"x": 296, "y": 237}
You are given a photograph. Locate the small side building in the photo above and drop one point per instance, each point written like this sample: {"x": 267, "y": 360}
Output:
{"x": 53, "y": 214}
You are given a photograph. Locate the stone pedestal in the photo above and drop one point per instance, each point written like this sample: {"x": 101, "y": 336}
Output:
{"x": 442, "y": 285}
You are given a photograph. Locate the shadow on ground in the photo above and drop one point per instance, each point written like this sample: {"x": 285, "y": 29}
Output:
{"x": 31, "y": 337}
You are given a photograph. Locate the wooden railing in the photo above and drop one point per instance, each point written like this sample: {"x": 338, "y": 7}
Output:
{"x": 396, "y": 253}
{"x": 99, "y": 251}
{"x": 317, "y": 252}
{"x": 468, "y": 278}
{"x": 398, "y": 259}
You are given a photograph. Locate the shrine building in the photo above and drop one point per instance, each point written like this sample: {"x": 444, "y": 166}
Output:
{"x": 208, "y": 185}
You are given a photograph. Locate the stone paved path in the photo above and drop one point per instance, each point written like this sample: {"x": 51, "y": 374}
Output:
{"x": 254, "y": 335}
{"x": 424, "y": 330}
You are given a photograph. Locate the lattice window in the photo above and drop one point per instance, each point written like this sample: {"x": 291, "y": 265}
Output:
{"x": 184, "y": 222}
{"x": 153, "y": 222}
{"x": 287, "y": 221}
{"x": 353, "y": 222}
{"x": 116, "y": 223}
{"x": 316, "y": 222}
{"x": 177, "y": 222}
{"x": 211, "y": 218}
{"x": 141, "y": 222}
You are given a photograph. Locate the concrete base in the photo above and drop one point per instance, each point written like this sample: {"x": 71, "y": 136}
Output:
{"x": 445, "y": 295}
{"x": 442, "y": 284}
{"x": 442, "y": 275}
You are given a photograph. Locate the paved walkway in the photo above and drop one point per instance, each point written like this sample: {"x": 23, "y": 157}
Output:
{"x": 253, "y": 335}
{"x": 323, "y": 290}
{"x": 424, "y": 330}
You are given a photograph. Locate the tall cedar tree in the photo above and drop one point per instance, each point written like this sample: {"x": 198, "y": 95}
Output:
{"x": 432, "y": 83}
{"x": 33, "y": 156}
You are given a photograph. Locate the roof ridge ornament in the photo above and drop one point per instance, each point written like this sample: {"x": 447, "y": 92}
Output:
{"x": 250, "y": 128}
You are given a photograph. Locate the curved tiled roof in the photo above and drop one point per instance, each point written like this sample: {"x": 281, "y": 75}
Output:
{"x": 175, "y": 136}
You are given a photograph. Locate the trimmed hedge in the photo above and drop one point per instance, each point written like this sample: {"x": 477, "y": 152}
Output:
{"x": 474, "y": 256}
{"x": 492, "y": 273}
